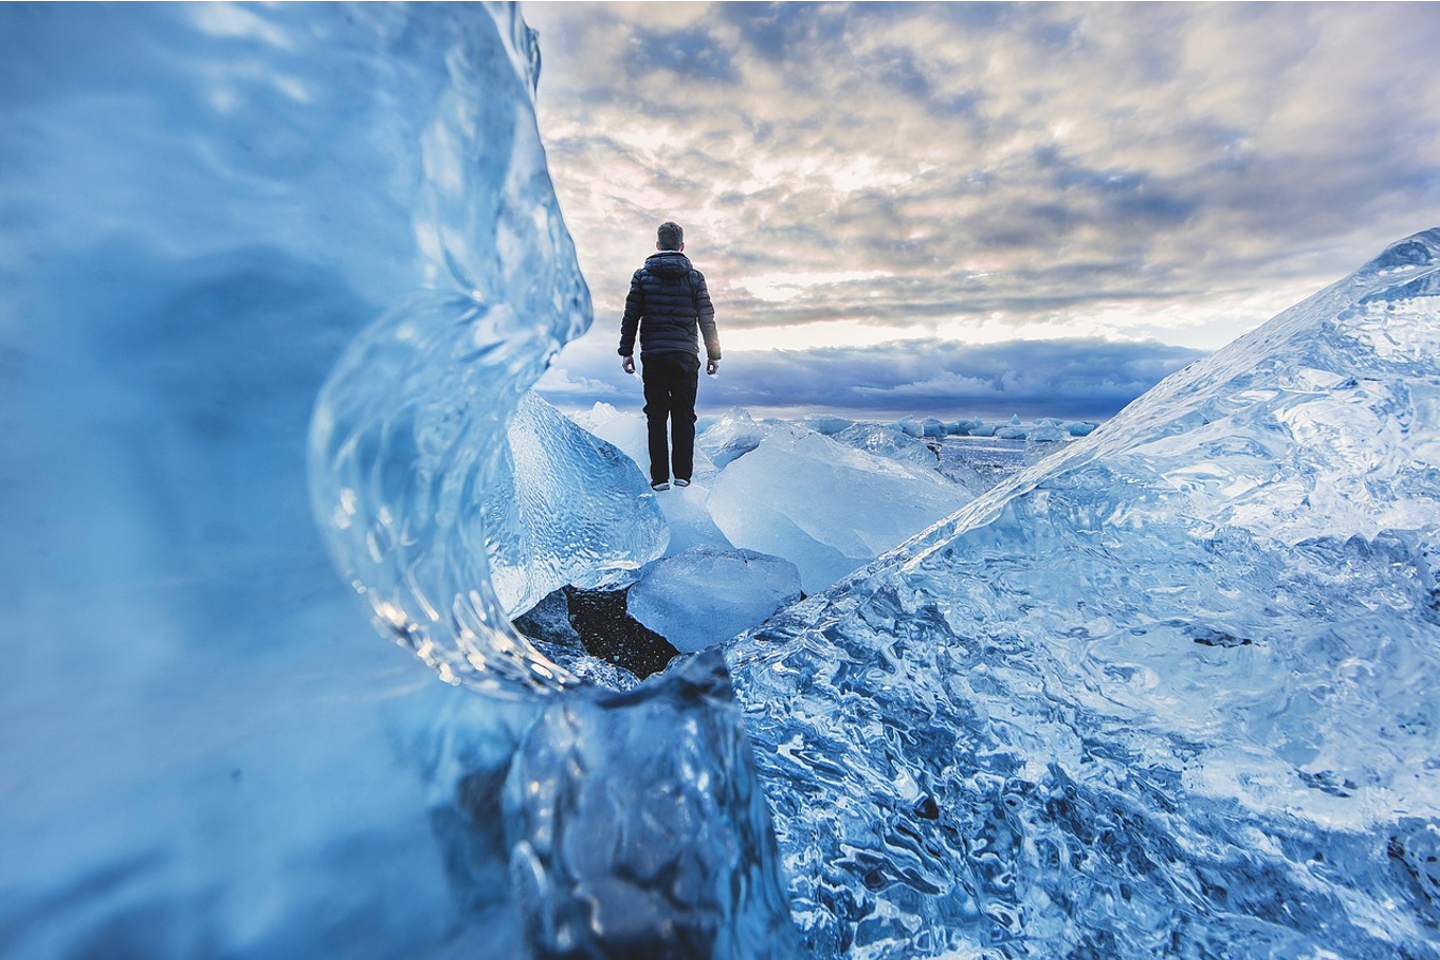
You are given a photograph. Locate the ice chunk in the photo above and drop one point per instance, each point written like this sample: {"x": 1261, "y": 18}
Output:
{"x": 564, "y": 507}
{"x": 888, "y": 442}
{"x": 825, "y": 506}
{"x": 928, "y": 427}
{"x": 680, "y": 862}
{"x": 962, "y": 428}
{"x": 1196, "y": 644}
{"x": 1014, "y": 430}
{"x": 731, "y": 437}
{"x": 700, "y": 597}
{"x": 825, "y": 423}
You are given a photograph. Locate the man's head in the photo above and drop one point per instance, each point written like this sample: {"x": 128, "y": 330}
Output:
{"x": 670, "y": 237}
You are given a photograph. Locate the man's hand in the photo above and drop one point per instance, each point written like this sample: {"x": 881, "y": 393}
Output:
{"x": 628, "y": 364}
{"x": 711, "y": 366}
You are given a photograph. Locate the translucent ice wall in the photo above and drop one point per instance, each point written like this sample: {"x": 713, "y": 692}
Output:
{"x": 412, "y": 420}
{"x": 213, "y": 214}
{"x": 1170, "y": 692}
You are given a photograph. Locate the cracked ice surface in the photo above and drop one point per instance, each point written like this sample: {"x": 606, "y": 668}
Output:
{"x": 1170, "y": 691}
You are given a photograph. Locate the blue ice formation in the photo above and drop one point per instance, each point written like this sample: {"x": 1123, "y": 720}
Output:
{"x": 215, "y": 214}
{"x": 1170, "y": 692}
{"x": 824, "y": 505}
{"x": 705, "y": 595}
{"x": 564, "y": 507}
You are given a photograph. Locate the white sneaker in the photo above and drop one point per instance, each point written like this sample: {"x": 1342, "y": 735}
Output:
{"x": 662, "y": 485}
{"x": 682, "y": 483}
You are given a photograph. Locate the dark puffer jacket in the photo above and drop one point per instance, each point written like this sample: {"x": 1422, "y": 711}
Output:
{"x": 667, "y": 303}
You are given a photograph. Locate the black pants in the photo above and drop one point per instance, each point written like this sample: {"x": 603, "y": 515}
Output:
{"x": 670, "y": 383}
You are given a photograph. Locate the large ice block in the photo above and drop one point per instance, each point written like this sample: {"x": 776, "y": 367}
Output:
{"x": 564, "y": 507}
{"x": 1168, "y": 692}
{"x": 705, "y": 595}
{"x": 825, "y": 506}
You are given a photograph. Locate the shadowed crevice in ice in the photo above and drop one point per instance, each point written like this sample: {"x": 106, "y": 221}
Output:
{"x": 1168, "y": 692}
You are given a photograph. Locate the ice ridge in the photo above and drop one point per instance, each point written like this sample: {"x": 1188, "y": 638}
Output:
{"x": 1167, "y": 692}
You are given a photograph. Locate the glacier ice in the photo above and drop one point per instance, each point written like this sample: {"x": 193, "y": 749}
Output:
{"x": 564, "y": 508}
{"x": 730, "y": 437}
{"x": 825, "y": 506}
{"x": 215, "y": 213}
{"x": 705, "y": 595}
{"x": 1168, "y": 692}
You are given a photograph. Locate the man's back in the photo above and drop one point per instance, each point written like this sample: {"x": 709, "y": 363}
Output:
{"x": 670, "y": 305}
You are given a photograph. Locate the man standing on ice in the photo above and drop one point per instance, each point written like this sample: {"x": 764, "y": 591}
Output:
{"x": 669, "y": 306}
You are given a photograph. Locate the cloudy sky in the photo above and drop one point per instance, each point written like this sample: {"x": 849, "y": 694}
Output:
{"x": 980, "y": 209}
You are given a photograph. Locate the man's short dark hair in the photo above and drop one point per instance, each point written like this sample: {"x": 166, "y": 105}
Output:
{"x": 670, "y": 236}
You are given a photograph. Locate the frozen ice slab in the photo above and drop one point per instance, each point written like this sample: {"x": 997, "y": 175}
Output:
{"x": 823, "y": 505}
{"x": 564, "y": 507}
{"x": 700, "y": 597}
